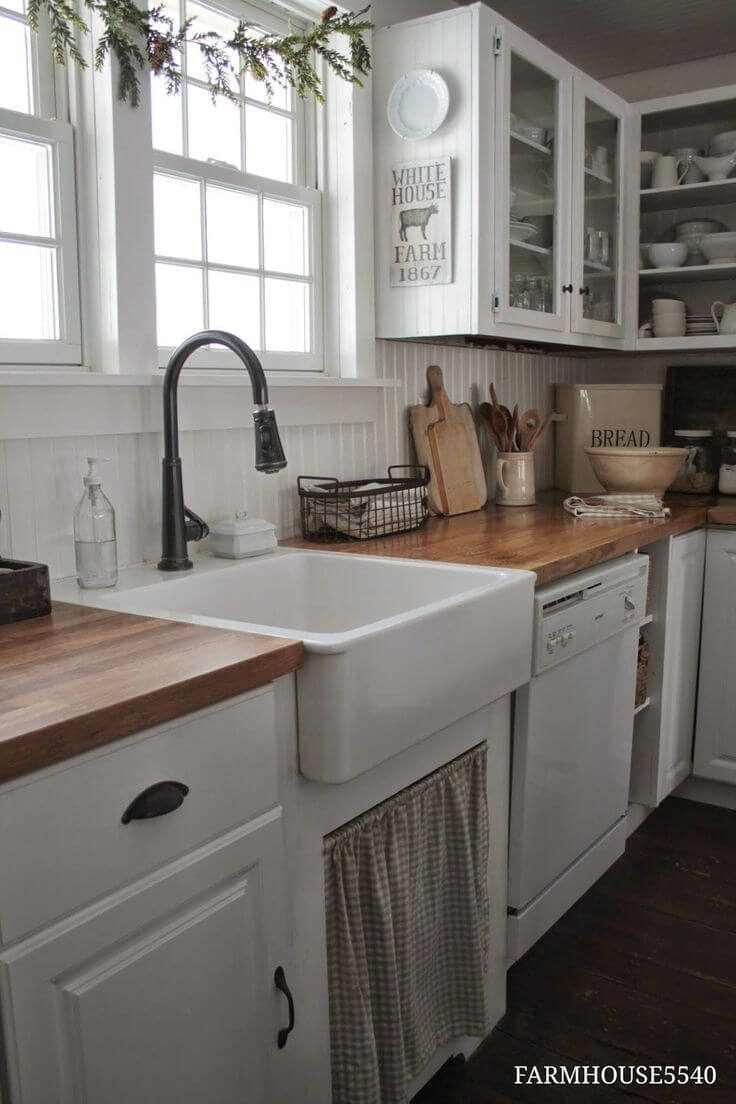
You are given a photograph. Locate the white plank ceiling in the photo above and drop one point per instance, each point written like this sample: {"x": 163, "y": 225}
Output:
{"x": 609, "y": 37}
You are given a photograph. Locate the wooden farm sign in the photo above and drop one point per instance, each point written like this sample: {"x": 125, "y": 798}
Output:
{"x": 421, "y": 223}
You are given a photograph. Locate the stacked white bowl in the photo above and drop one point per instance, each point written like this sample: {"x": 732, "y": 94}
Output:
{"x": 669, "y": 318}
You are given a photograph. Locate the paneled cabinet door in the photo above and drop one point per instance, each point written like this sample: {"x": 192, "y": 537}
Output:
{"x": 532, "y": 184}
{"x": 680, "y": 674}
{"x": 715, "y": 734}
{"x": 599, "y": 175}
{"x": 162, "y": 994}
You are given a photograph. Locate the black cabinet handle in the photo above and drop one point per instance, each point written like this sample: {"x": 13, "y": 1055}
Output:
{"x": 279, "y": 980}
{"x": 158, "y": 800}
{"x": 584, "y": 291}
{"x": 567, "y": 287}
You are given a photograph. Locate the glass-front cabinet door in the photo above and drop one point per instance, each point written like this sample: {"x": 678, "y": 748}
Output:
{"x": 532, "y": 185}
{"x": 597, "y": 218}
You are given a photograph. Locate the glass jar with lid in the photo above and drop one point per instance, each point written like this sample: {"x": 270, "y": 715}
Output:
{"x": 698, "y": 473}
{"x": 727, "y": 473}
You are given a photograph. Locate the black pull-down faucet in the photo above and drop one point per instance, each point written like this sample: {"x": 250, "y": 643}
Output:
{"x": 179, "y": 524}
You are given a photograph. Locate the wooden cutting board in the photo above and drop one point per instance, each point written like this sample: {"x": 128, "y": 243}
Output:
{"x": 446, "y": 442}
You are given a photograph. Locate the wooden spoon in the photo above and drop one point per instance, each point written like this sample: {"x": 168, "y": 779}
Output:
{"x": 542, "y": 429}
{"x": 529, "y": 423}
{"x": 486, "y": 414}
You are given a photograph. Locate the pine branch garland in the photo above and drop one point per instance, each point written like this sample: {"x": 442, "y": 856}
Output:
{"x": 147, "y": 38}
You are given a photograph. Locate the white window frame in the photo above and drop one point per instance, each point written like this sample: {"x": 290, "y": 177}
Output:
{"x": 304, "y": 157}
{"x": 67, "y": 348}
{"x": 202, "y": 172}
{"x": 46, "y": 125}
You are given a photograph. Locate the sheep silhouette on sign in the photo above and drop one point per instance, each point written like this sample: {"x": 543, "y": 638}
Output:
{"x": 416, "y": 216}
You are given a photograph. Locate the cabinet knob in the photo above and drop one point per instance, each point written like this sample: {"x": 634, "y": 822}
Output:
{"x": 567, "y": 287}
{"x": 584, "y": 291}
{"x": 155, "y": 801}
{"x": 279, "y": 980}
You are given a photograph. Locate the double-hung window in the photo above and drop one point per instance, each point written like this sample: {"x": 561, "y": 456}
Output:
{"x": 237, "y": 224}
{"x": 39, "y": 292}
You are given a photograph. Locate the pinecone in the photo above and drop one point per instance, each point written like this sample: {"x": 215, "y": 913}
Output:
{"x": 329, "y": 13}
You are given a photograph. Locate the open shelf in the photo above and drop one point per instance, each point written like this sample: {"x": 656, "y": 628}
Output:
{"x": 531, "y": 144}
{"x": 695, "y": 341}
{"x": 640, "y": 708}
{"x": 688, "y": 274}
{"x": 710, "y": 192}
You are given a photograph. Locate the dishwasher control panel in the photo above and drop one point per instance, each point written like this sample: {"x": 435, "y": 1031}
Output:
{"x": 584, "y": 609}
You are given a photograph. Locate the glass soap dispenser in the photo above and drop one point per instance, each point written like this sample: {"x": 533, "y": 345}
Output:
{"x": 95, "y": 546}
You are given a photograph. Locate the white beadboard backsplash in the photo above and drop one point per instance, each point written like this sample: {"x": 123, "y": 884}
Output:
{"x": 41, "y": 478}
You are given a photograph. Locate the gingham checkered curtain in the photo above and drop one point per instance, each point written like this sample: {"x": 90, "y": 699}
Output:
{"x": 407, "y": 931}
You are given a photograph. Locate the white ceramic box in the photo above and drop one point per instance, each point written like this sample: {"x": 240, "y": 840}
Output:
{"x": 597, "y": 415}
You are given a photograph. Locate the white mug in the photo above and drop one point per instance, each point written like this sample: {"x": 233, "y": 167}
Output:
{"x": 515, "y": 479}
{"x": 667, "y": 173}
{"x": 727, "y": 322}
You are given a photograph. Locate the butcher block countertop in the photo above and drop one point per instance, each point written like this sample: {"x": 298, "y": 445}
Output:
{"x": 542, "y": 538}
{"x": 82, "y": 677}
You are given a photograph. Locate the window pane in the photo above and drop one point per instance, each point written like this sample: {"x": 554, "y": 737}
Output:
{"x": 232, "y": 227}
{"x": 235, "y": 305}
{"x": 256, "y": 90}
{"x": 267, "y": 144}
{"x": 176, "y": 214}
{"x": 14, "y": 5}
{"x": 15, "y": 66}
{"x": 179, "y": 302}
{"x": 207, "y": 20}
{"x": 287, "y": 316}
{"x": 28, "y": 304}
{"x": 285, "y": 242}
{"x": 166, "y": 118}
{"x": 214, "y": 128}
{"x": 25, "y": 187}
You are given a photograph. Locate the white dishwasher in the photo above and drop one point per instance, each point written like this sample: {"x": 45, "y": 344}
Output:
{"x": 573, "y": 726}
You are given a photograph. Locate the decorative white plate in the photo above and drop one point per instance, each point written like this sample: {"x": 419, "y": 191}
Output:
{"x": 418, "y": 104}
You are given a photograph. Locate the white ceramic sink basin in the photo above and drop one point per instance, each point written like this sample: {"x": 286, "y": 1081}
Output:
{"x": 395, "y": 649}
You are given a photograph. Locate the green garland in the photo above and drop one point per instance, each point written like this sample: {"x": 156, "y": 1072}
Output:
{"x": 147, "y": 38}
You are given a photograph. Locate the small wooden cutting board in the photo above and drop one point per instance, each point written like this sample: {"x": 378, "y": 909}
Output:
{"x": 446, "y": 442}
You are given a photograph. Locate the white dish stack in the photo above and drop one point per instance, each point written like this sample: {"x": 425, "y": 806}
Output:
{"x": 669, "y": 318}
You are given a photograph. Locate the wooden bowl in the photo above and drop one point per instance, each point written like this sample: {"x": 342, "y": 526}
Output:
{"x": 636, "y": 470}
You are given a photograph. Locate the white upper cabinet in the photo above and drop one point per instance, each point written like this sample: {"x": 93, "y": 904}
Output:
{"x": 599, "y": 182}
{"x": 529, "y": 234}
{"x": 532, "y": 172}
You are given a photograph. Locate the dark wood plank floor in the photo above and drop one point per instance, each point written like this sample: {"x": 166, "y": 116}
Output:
{"x": 642, "y": 970}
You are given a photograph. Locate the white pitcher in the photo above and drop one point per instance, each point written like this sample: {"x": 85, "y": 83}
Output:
{"x": 727, "y": 322}
{"x": 515, "y": 479}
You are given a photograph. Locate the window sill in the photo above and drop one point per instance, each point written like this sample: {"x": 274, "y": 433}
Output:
{"x": 29, "y": 376}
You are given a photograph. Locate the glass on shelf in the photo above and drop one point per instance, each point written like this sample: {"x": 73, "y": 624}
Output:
{"x": 532, "y": 260}
{"x": 601, "y": 213}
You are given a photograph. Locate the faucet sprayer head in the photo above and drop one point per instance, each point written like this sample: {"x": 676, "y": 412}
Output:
{"x": 269, "y": 450}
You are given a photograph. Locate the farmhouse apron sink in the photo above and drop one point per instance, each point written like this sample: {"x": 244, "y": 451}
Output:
{"x": 395, "y": 649}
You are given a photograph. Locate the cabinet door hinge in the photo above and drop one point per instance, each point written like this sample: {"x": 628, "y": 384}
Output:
{"x": 495, "y": 303}
{"x": 497, "y": 43}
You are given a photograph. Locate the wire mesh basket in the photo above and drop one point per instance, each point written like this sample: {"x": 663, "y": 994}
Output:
{"x": 360, "y": 509}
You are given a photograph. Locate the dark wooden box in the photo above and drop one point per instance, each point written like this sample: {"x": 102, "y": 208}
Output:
{"x": 24, "y": 590}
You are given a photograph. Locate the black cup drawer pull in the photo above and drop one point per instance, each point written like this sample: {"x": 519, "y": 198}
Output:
{"x": 155, "y": 801}
{"x": 279, "y": 980}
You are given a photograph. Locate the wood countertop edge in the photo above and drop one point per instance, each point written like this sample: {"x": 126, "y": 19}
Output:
{"x": 70, "y": 736}
{"x": 56, "y": 708}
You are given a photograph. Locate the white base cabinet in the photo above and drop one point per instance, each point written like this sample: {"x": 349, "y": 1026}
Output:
{"x": 715, "y": 735}
{"x": 663, "y": 731}
{"x": 162, "y": 991}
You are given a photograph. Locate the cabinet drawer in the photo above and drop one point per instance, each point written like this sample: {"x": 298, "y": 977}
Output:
{"x": 62, "y": 841}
